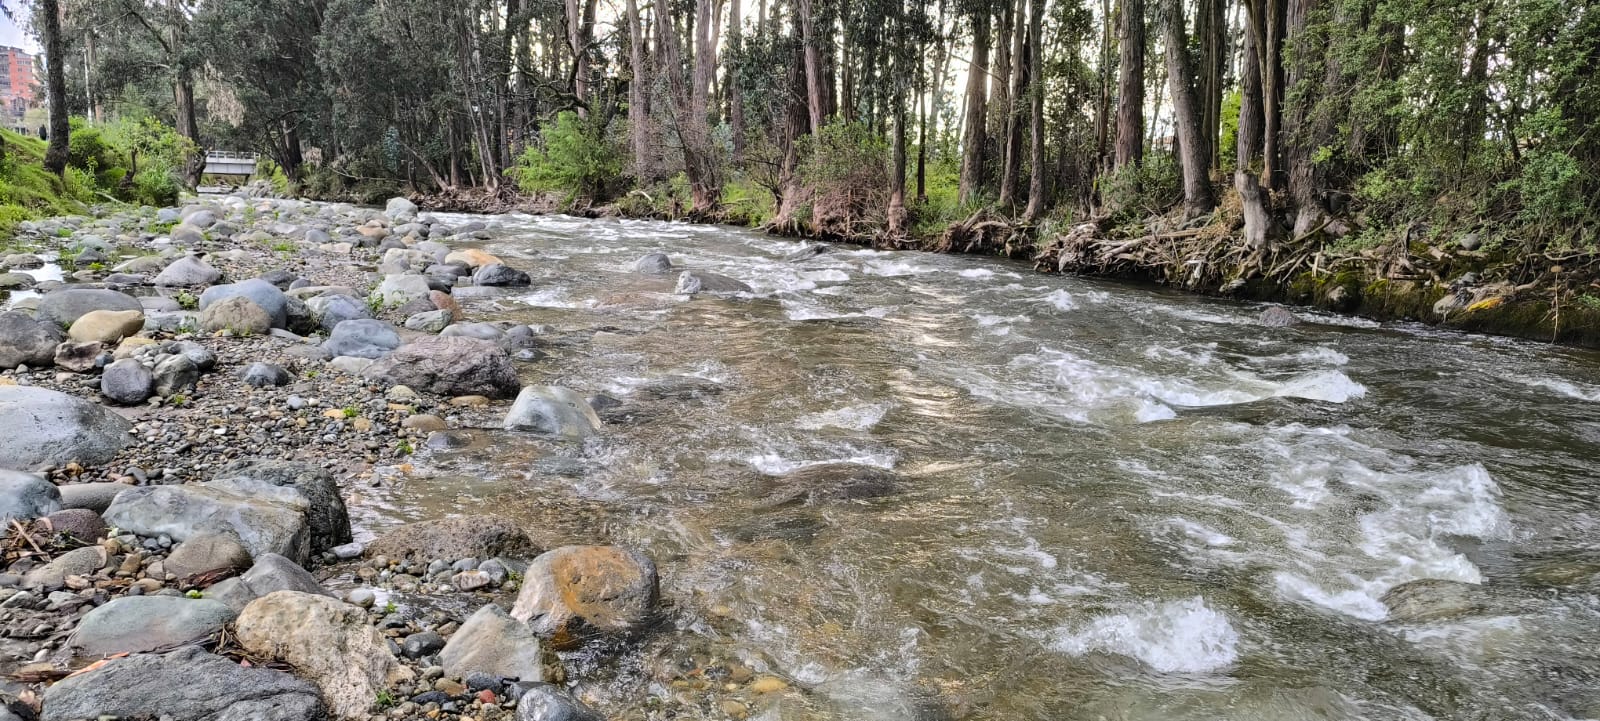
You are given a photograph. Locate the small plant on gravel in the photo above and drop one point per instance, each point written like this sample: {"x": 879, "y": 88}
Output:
{"x": 163, "y": 228}
{"x": 313, "y": 373}
{"x": 177, "y": 399}
{"x": 240, "y": 332}
{"x": 283, "y": 246}
{"x": 375, "y": 304}
{"x": 187, "y": 300}
{"x": 193, "y": 593}
{"x": 351, "y": 411}
{"x": 404, "y": 447}
{"x": 385, "y": 700}
{"x": 389, "y": 608}
{"x": 64, "y": 233}
{"x": 97, "y": 266}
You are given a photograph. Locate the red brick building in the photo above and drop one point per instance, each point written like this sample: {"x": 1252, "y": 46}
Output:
{"x": 19, "y": 81}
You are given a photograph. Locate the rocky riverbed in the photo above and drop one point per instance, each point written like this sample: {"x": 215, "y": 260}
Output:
{"x": 190, "y": 400}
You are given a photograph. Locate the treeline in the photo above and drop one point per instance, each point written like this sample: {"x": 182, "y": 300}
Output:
{"x": 1343, "y": 121}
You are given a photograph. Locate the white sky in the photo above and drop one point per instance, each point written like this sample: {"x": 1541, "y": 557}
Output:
{"x": 13, "y": 35}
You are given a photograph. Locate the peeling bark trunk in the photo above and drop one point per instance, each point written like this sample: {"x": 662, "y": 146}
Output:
{"x": 1130, "y": 84}
{"x": 972, "y": 145}
{"x": 1194, "y": 151}
{"x": 1036, "y": 191}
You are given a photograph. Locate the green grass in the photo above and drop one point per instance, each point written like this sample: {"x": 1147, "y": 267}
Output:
{"x": 28, "y": 191}
{"x": 748, "y": 203}
{"x": 351, "y": 411}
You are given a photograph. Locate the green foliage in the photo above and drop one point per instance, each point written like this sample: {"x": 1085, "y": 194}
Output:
{"x": 350, "y": 411}
{"x": 745, "y": 202}
{"x": 1142, "y": 190}
{"x": 187, "y": 300}
{"x": 845, "y": 170}
{"x": 574, "y": 158}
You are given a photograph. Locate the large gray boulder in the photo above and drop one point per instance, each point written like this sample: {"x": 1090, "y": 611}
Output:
{"x": 326, "y": 640}
{"x": 281, "y": 508}
{"x": 270, "y": 573}
{"x": 492, "y": 642}
{"x": 449, "y": 366}
{"x": 189, "y": 270}
{"x": 653, "y": 264}
{"x": 400, "y": 210}
{"x": 25, "y": 496}
{"x": 552, "y": 411}
{"x": 691, "y": 282}
{"x": 261, "y": 292}
{"x": 40, "y": 427}
{"x": 335, "y": 308}
{"x": 500, "y": 274}
{"x": 66, "y": 305}
{"x": 362, "y": 338}
{"x": 25, "y": 341}
{"x": 139, "y": 624}
{"x": 127, "y": 382}
{"x": 188, "y": 684}
{"x": 401, "y": 288}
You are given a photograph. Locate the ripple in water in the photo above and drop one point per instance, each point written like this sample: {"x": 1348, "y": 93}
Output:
{"x": 1183, "y": 636}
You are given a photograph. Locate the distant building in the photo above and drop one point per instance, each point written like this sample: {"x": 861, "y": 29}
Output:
{"x": 19, "y": 81}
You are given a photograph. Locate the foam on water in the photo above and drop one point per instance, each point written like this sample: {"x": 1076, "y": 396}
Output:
{"x": 774, "y": 464}
{"x": 1570, "y": 389}
{"x": 553, "y": 297}
{"x": 853, "y": 418}
{"x": 826, "y": 276}
{"x": 1059, "y": 299}
{"x": 1184, "y": 636}
{"x": 894, "y": 268}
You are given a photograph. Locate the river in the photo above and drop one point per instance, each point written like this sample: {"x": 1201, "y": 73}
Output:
{"x": 1102, "y": 501}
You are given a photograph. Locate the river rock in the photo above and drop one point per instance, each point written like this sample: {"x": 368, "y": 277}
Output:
{"x": 326, "y": 640}
{"x": 431, "y": 321}
{"x": 65, "y": 306}
{"x": 261, "y": 292}
{"x": 41, "y": 427}
{"x": 200, "y": 217}
{"x": 460, "y": 537}
{"x": 334, "y": 308}
{"x": 25, "y": 341}
{"x": 189, "y": 270}
{"x": 471, "y": 257}
{"x": 174, "y": 375}
{"x": 399, "y": 289}
{"x": 96, "y": 497}
{"x": 400, "y": 210}
{"x": 1278, "y": 317}
{"x": 362, "y": 338}
{"x": 237, "y": 314}
{"x": 554, "y": 411}
{"x": 78, "y": 357}
{"x": 76, "y": 562}
{"x": 494, "y": 643}
{"x": 545, "y": 702}
{"x": 270, "y": 512}
{"x": 188, "y": 684}
{"x": 691, "y": 282}
{"x": 208, "y": 553}
{"x": 329, "y": 521}
{"x": 1431, "y": 599}
{"x": 271, "y": 573}
{"x": 500, "y": 274}
{"x": 25, "y": 496}
{"x": 142, "y": 265}
{"x": 106, "y": 326}
{"x": 80, "y": 524}
{"x": 653, "y": 264}
{"x": 481, "y": 331}
{"x": 574, "y": 592}
{"x": 264, "y": 375}
{"x": 139, "y": 624}
{"x": 127, "y": 382}
{"x": 449, "y": 366}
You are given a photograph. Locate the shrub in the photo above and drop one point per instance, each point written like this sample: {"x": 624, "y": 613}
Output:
{"x": 1143, "y": 190}
{"x": 575, "y": 158}
{"x": 845, "y": 172}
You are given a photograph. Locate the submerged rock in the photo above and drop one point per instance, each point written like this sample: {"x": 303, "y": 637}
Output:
{"x": 653, "y": 264}
{"x": 544, "y": 702}
{"x": 188, "y": 684}
{"x": 691, "y": 282}
{"x": 499, "y": 274}
{"x": 1278, "y": 317}
{"x": 574, "y": 592}
{"x": 461, "y": 537}
{"x": 552, "y": 411}
{"x": 1431, "y": 599}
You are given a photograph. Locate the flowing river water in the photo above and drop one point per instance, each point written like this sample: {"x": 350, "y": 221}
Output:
{"x": 1101, "y": 501}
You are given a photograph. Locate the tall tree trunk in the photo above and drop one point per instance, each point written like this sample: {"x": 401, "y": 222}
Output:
{"x": 972, "y": 145}
{"x": 922, "y": 126}
{"x": 1036, "y": 191}
{"x": 55, "y": 155}
{"x": 1211, "y": 32}
{"x": 1272, "y": 93}
{"x": 1011, "y": 167}
{"x": 1194, "y": 150}
{"x": 808, "y": 38}
{"x": 735, "y": 98}
{"x": 638, "y": 88}
{"x": 694, "y": 135}
{"x": 1130, "y": 84}
{"x": 1102, "y": 115}
{"x": 1249, "y": 146}
{"x": 897, "y": 176}
{"x": 1304, "y": 131}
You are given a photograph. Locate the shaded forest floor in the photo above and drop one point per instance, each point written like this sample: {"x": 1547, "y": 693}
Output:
{"x": 1500, "y": 290}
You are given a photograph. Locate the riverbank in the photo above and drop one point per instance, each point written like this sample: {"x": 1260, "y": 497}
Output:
{"x": 198, "y": 406}
{"x": 1465, "y": 284}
